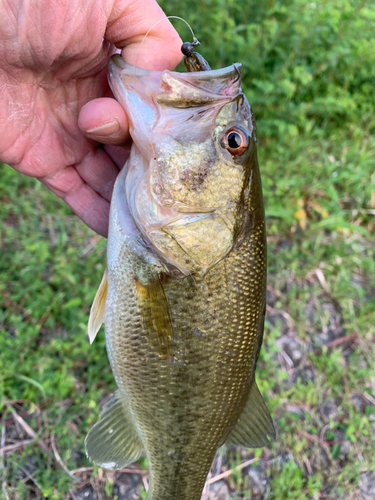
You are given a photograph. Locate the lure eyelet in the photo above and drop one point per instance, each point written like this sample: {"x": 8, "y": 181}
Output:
{"x": 235, "y": 141}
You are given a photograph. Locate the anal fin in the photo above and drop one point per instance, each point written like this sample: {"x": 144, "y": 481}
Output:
{"x": 113, "y": 442}
{"x": 254, "y": 428}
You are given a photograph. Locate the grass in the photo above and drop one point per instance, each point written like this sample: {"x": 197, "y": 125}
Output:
{"x": 317, "y": 366}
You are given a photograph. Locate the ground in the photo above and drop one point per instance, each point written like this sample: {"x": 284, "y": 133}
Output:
{"x": 309, "y": 73}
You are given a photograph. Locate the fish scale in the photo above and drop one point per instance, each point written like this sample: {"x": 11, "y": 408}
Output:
{"x": 183, "y": 339}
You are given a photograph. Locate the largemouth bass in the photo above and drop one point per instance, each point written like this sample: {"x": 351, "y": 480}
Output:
{"x": 184, "y": 299}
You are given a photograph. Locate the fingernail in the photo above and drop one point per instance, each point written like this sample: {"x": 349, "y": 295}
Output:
{"x": 106, "y": 129}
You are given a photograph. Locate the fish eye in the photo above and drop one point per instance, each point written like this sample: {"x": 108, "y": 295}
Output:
{"x": 235, "y": 141}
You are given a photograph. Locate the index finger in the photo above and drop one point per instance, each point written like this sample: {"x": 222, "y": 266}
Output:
{"x": 129, "y": 22}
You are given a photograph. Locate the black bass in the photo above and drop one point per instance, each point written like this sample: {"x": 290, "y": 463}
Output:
{"x": 184, "y": 299}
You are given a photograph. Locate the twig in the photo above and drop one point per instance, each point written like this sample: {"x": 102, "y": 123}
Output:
{"x": 347, "y": 338}
{"x": 323, "y": 430}
{"x": 25, "y": 413}
{"x": 87, "y": 482}
{"x": 33, "y": 435}
{"x": 29, "y": 431}
{"x": 96, "y": 484}
{"x": 9, "y": 304}
{"x": 47, "y": 312}
{"x": 230, "y": 471}
{"x": 359, "y": 453}
{"x": 145, "y": 482}
{"x": 308, "y": 465}
{"x": 90, "y": 247}
{"x": 310, "y": 437}
{"x": 81, "y": 469}
{"x": 12, "y": 447}
{"x": 319, "y": 274}
{"x": 315, "y": 439}
{"x": 134, "y": 471}
{"x": 369, "y": 398}
{"x": 288, "y": 360}
{"x": 73, "y": 495}
{"x": 214, "y": 471}
{"x": 2, "y": 444}
{"x": 325, "y": 445}
{"x": 218, "y": 464}
{"x": 29, "y": 476}
{"x": 4, "y": 488}
{"x": 51, "y": 230}
{"x": 59, "y": 460}
{"x": 127, "y": 470}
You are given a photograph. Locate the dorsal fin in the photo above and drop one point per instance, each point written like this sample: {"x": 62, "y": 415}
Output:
{"x": 254, "y": 427}
{"x": 97, "y": 311}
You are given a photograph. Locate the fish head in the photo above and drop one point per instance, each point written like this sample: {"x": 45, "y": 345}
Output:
{"x": 193, "y": 153}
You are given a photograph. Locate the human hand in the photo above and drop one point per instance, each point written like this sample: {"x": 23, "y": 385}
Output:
{"x": 53, "y": 63}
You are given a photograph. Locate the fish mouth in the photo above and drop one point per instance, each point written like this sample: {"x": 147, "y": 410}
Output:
{"x": 170, "y": 88}
{"x": 116, "y": 62}
{"x": 142, "y": 93}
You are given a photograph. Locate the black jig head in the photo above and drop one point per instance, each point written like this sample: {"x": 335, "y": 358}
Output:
{"x": 192, "y": 60}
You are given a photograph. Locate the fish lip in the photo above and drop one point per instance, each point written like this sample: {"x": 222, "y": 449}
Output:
{"x": 117, "y": 62}
{"x": 214, "y": 74}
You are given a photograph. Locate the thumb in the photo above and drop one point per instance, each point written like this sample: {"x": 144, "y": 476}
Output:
{"x": 129, "y": 22}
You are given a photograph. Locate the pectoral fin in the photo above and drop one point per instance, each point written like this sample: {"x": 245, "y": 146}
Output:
{"x": 254, "y": 427}
{"x": 97, "y": 311}
{"x": 156, "y": 321}
{"x": 113, "y": 442}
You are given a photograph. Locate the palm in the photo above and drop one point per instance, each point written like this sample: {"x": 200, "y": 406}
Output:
{"x": 49, "y": 69}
